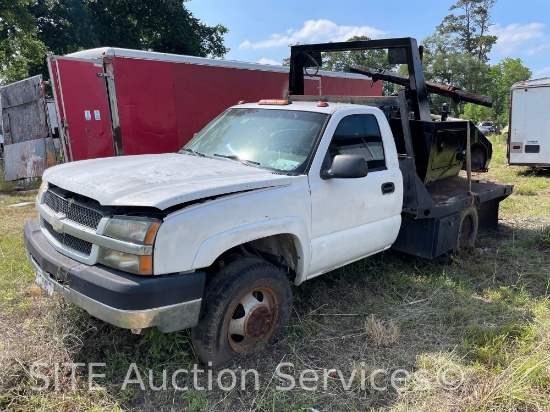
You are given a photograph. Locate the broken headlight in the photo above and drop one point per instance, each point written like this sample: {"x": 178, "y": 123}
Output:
{"x": 139, "y": 230}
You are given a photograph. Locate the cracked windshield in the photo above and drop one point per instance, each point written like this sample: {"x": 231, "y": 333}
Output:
{"x": 279, "y": 140}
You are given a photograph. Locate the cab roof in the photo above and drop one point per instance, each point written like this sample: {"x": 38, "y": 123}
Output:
{"x": 327, "y": 108}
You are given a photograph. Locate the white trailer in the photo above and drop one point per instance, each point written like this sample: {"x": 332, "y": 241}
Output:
{"x": 529, "y": 131}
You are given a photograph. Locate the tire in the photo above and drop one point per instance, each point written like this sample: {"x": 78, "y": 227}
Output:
{"x": 248, "y": 301}
{"x": 467, "y": 230}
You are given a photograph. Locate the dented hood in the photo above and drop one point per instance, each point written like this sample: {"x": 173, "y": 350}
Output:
{"x": 159, "y": 181}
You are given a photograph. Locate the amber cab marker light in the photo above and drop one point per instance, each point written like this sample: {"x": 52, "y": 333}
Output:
{"x": 322, "y": 104}
{"x": 242, "y": 102}
{"x": 274, "y": 101}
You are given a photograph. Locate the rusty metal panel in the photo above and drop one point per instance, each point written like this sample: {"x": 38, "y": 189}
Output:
{"x": 23, "y": 114}
{"x": 28, "y": 143}
{"x": 28, "y": 159}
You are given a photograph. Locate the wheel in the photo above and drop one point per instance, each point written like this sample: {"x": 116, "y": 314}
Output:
{"x": 247, "y": 302}
{"x": 467, "y": 230}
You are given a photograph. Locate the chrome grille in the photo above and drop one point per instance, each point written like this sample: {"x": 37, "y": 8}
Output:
{"x": 70, "y": 241}
{"x": 79, "y": 214}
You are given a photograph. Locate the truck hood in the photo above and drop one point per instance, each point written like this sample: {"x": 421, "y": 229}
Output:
{"x": 159, "y": 181}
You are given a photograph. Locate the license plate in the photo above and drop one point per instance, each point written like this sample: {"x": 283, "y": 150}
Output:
{"x": 45, "y": 284}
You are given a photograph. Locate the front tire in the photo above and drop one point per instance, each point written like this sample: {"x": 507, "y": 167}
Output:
{"x": 248, "y": 301}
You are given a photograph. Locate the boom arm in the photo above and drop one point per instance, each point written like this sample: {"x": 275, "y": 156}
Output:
{"x": 401, "y": 50}
{"x": 455, "y": 93}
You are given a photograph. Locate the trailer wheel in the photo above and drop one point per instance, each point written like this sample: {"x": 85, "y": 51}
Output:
{"x": 248, "y": 301}
{"x": 467, "y": 230}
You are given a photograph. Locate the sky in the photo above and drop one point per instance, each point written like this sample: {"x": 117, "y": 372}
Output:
{"x": 260, "y": 31}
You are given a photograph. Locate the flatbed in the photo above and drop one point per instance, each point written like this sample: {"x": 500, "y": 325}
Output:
{"x": 443, "y": 229}
{"x": 455, "y": 189}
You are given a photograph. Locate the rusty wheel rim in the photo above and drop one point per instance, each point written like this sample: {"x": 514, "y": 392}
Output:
{"x": 253, "y": 319}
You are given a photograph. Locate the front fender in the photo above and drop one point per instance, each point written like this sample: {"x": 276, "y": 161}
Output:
{"x": 195, "y": 236}
{"x": 214, "y": 246}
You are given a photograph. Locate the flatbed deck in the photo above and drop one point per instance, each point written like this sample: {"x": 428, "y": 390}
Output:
{"x": 433, "y": 228}
{"x": 455, "y": 189}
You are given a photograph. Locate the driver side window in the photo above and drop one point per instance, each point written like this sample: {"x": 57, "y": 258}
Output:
{"x": 359, "y": 134}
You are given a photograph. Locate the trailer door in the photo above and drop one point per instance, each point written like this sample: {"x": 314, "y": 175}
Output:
{"x": 28, "y": 144}
{"x": 81, "y": 98}
{"x": 529, "y": 125}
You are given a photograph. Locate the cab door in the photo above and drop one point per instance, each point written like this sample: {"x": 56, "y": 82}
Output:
{"x": 354, "y": 217}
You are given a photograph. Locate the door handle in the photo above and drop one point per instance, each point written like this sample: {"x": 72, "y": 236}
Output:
{"x": 388, "y": 188}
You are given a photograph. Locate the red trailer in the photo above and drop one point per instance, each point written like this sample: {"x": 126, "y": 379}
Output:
{"x": 113, "y": 102}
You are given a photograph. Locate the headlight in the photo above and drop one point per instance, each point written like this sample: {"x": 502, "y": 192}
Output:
{"x": 138, "y": 230}
{"x": 132, "y": 229}
{"x": 139, "y": 265}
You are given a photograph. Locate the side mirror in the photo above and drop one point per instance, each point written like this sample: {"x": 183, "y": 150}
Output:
{"x": 347, "y": 166}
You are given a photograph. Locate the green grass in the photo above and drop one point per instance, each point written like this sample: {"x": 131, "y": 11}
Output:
{"x": 12, "y": 187}
{"x": 528, "y": 183}
{"x": 484, "y": 313}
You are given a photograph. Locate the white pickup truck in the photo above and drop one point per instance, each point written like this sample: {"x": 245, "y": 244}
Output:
{"x": 266, "y": 195}
{"x": 263, "y": 193}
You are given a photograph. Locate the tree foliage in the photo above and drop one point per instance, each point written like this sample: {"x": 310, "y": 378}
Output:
{"x": 165, "y": 26}
{"x": 503, "y": 75}
{"x": 65, "y": 26}
{"x": 476, "y": 113}
{"x": 20, "y": 48}
{"x": 341, "y": 61}
{"x": 469, "y": 27}
{"x": 443, "y": 64}
{"x": 457, "y": 53}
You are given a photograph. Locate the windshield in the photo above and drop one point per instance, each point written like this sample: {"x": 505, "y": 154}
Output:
{"x": 280, "y": 140}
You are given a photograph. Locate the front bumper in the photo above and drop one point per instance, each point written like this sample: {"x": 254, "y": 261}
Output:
{"x": 128, "y": 301}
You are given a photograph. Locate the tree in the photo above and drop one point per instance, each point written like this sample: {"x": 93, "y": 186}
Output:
{"x": 503, "y": 75}
{"x": 341, "y": 61}
{"x": 67, "y": 26}
{"x": 469, "y": 29}
{"x": 443, "y": 64}
{"x": 165, "y": 26}
{"x": 446, "y": 66}
{"x": 20, "y": 49}
{"x": 476, "y": 113}
{"x": 457, "y": 53}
